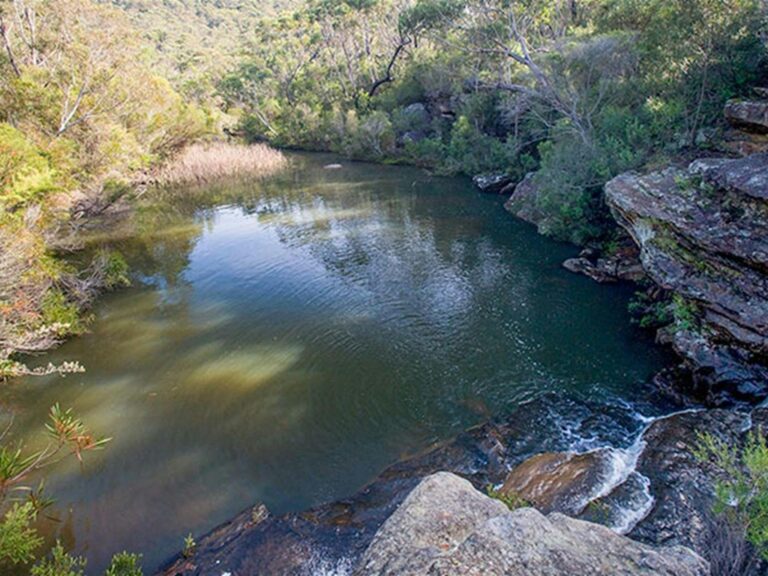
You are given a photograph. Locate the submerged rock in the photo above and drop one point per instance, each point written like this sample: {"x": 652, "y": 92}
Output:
{"x": 446, "y": 527}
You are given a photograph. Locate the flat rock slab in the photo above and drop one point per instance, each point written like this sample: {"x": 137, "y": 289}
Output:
{"x": 445, "y": 527}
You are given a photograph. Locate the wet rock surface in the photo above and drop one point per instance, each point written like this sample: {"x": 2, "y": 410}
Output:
{"x": 681, "y": 485}
{"x": 623, "y": 263}
{"x": 560, "y": 481}
{"x": 446, "y": 527}
{"x": 654, "y": 490}
{"x": 667, "y": 495}
{"x": 336, "y": 534}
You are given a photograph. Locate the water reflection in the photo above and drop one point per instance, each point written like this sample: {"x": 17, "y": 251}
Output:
{"x": 285, "y": 340}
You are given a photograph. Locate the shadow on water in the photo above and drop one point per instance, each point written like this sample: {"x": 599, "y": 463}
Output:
{"x": 285, "y": 340}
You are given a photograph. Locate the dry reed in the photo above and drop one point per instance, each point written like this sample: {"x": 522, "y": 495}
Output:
{"x": 204, "y": 163}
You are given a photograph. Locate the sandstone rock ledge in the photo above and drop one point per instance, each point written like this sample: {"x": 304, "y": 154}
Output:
{"x": 703, "y": 234}
{"x": 445, "y": 527}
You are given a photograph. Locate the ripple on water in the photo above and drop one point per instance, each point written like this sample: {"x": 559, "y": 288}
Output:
{"x": 286, "y": 340}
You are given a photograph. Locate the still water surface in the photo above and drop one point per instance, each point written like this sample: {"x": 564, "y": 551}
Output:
{"x": 284, "y": 341}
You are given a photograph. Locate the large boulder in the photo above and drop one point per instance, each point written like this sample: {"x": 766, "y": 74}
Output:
{"x": 524, "y": 202}
{"x": 748, "y": 115}
{"x": 445, "y": 527}
{"x": 440, "y": 513}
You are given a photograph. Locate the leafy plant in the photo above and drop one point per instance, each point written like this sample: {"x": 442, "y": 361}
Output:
{"x": 21, "y": 502}
{"x": 511, "y": 499}
{"x": 190, "y": 545}
{"x": 125, "y": 564}
{"x": 18, "y": 539}
{"x": 649, "y": 312}
{"x": 685, "y": 312}
{"x": 741, "y": 496}
{"x": 59, "y": 563}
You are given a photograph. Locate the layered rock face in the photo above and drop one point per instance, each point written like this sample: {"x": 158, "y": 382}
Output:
{"x": 703, "y": 234}
{"x": 446, "y": 527}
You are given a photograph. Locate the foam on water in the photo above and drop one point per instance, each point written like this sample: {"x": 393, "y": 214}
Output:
{"x": 636, "y": 511}
{"x": 322, "y": 566}
{"x": 631, "y": 508}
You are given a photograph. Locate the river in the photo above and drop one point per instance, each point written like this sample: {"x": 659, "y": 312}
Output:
{"x": 285, "y": 340}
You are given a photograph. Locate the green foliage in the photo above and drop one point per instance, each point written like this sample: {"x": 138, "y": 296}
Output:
{"x": 58, "y": 311}
{"x": 617, "y": 84}
{"x": 650, "y": 313}
{"x": 742, "y": 495}
{"x": 470, "y": 151}
{"x": 190, "y": 545}
{"x": 59, "y": 563}
{"x": 18, "y": 539}
{"x": 695, "y": 54}
{"x": 115, "y": 269}
{"x": 125, "y": 564}
{"x": 20, "y": 503}
{"x": 568, "y": 190}
{"x": 80, "y": 114}
{"x": 194, "y": 41}
{"x": 428, "y": 14}
{"x": 25, "y": 173}
{"x": 685, "y": 313}
{"x": 369, "y": 137}
{"x": 512, "y": 500}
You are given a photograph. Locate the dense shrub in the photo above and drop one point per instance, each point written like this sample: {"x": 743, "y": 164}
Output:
{"x": 741, "y": 499}
{"x": 26, "y": 174}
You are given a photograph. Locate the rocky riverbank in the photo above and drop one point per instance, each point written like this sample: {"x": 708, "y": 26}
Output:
{"x": 698, "y": 233}
{"x": 640, "y": 479}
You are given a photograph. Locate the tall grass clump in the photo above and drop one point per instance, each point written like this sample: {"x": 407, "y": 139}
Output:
{"x": 203, "y": 163}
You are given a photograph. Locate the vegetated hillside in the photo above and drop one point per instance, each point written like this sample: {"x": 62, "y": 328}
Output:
{"x": 81, "y": 114}
{"x": 196, "y": 40}
{"x": 575, "y": 92}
